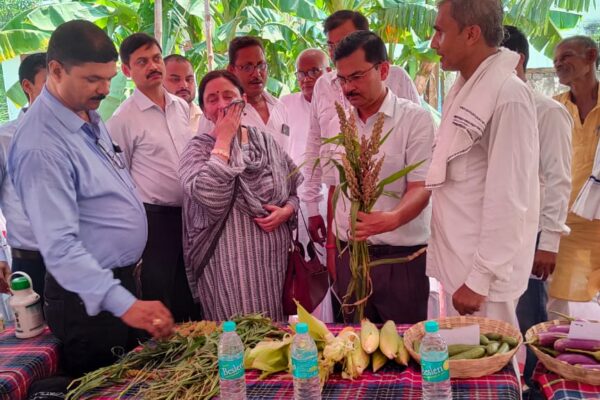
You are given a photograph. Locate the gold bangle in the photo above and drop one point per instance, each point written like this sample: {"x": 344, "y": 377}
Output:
{"x": 220, "y": 152}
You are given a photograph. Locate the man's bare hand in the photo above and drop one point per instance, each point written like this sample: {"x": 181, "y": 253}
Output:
{"x": 151, "y": 316}
{"x": 544, "y": 263}
{"x": 317, "y": 229}
{"x": 374, "y": 223}
{"x": 4, "y": 277}
{"x": 466, "y": 301}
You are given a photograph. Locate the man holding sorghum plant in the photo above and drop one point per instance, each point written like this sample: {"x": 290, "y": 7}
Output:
{"x": 398, "y": 226}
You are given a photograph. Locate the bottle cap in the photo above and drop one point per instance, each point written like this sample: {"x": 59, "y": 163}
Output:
{"x": 19, "y": 283}
{"x": 301, "y": 328}
{"x": 229, "y": 326}
{"x": 431, "y": 326}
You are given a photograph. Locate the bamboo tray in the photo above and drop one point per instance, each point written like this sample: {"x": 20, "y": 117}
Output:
{"x": 565, "y": 370}
{"x": 469, "y": 368}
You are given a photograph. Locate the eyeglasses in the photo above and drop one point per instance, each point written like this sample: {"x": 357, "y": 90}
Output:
{"x": 311, "y": 73}
{"x": 355, "y": 76}
{"x": 111, "y": 155}
{"x": 249, "y": 68}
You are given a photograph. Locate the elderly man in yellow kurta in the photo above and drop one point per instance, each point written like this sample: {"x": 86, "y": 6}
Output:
{"x": 577, "y": 274}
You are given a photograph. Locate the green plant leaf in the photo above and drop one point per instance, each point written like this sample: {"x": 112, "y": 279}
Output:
{"x": 15, "y": 42}
{"x": 16, "y": 95}
{"x": 399, "y": 174}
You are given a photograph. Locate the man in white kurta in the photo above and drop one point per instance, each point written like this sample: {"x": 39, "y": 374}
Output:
{"x": 263, "y": 111}
{"x": 324, "y": 122}
{"x": 181, "y": 81}
{"x": 484, "y": 170}
{"x": 152, "y": 129}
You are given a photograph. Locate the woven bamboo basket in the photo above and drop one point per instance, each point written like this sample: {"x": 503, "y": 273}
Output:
{"x": 469, "y": 368}
{"x": 565, "y": 370}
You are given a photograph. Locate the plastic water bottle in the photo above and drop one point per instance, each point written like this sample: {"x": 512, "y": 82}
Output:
{"x": 231, "y": 364}
{"x": 435, "y": 367}
{"x": 27, "y": 306}
{"x": 305, "y": 365}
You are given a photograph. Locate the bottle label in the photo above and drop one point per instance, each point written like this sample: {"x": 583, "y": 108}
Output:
{"x": 231, "y": 368}
{"x": 305, "y": 368}
{"x": 435, "y": 371}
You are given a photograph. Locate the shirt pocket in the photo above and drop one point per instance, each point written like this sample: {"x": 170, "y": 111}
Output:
{"x": 393, "y": 163}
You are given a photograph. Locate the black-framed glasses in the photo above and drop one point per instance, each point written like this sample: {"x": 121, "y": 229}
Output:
{"x": 355, "y": 76}
{"x": 111, "y": 155}
{"x": 249, "y": 68}
{"x": 311, "y": 73}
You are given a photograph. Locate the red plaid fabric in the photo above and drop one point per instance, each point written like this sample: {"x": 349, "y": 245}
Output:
{"x": 556, "y": 388}
{"x": 23, "y": 361}
{"x": 391, "y": 382}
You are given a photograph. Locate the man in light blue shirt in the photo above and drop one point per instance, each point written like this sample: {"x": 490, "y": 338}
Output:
{"x": 82, "y": 205}
{"x": 24, "y": 248}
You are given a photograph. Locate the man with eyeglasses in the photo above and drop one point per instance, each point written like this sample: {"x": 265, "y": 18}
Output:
{"x": 398, "y": 226}
{"x": 324, "y": 123}
{"x": 576, "y": 279}
{"x": 263, "y": 111}
{"x": 152, "y": 128}
{"x": 84, "y": 210}
{"x": 310, "y": 65}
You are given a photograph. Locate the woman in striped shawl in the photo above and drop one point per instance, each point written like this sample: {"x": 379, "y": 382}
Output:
{"x": 239, "y": 202}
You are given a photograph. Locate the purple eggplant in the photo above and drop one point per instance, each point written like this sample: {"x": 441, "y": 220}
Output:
{"x": 591, "y": 366}
{"x": 560, "y": 328}
{"x": 575, "y": 359}
{"x": 547, "y": 339}
{"x": 580, "y": 344}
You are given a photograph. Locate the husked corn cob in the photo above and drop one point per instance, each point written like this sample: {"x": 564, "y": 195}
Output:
{"x": 388, "y": 340}
{"x": 369, "y": 336}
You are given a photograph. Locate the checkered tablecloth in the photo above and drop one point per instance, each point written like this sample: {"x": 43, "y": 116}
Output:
{"x": 391, "y": 382}
{"x": 556, "y": 388}
{"x": 23, "y": 361}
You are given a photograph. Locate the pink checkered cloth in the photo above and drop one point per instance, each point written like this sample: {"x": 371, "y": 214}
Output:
{"x": 556, "y": 388}
{"x": 23, "y": 361}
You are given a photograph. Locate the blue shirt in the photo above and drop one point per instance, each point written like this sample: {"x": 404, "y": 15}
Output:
{"x": 83, "y": 207}
{"x": 18, "y": 230}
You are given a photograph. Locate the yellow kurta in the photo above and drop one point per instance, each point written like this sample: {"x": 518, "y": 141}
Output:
{"x": 579, "y": 253}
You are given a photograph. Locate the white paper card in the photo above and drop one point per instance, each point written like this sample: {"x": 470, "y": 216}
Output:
{"x": 584, "y": 330}
{"x": 462, "y": 335}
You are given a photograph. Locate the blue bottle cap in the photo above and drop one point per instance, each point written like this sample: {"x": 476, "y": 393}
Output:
{"x": 229, "y": 326}
{"x": 301, "y": 328}
{"x": 431, "y": 326}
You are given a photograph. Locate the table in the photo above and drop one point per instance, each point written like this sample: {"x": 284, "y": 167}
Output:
{"x": 391, "y": 382}
{"x": 23, "y": 361}
{"x": 556, "y": 388}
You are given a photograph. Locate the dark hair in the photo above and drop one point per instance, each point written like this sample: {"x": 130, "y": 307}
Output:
{"x": 340, "y": 17}
{"x": 176, "y": 58}
{"x": 516, "y": 41}
{"x": 134, "y": 42}
{"x": 77, "y": 42}
{"x": 487, "y": 14}
{"x": 211, "y": 76}
{"x": 242, "y": 42}
{"x": 30, "y": 66}
{"x": 372, "y": 44}
{"x": 584, "y": 41}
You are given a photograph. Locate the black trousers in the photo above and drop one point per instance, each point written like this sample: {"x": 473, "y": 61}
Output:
{"x": 32, "y": 263}
{"x": 400, "y": 291}
{"x": 88, "y": 342}
{"x": 163, "y": 275}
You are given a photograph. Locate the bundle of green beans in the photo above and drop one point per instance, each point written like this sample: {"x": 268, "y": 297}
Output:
{"x": 183, "y": 367}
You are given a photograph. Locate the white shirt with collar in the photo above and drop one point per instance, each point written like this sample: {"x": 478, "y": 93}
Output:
{"x": 298, "y": 109}
{"x": 152, "y": 141}
{"x": 410, "y": 141}
{"x": 195, "y": 115}
{"x": 277, "y": 125}
{"x": 324, "y": 123}
{"x": 485, "y": 216}
{"x": 554, "y": 125}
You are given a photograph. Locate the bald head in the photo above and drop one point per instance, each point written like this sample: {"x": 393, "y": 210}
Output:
{"x": 310, "y": 65}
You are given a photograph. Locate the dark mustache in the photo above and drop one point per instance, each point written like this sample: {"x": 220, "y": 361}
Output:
{"x": 352, "y": 93}
{"x": 153, "y": 73}
{"x": 256, "y": 81}
{"x": 100, "y": 97}
{"x": 184, "y": 91}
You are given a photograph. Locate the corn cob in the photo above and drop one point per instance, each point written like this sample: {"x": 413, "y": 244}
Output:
{"x": 369, "y": 336}
{"x": 388, "y": 340}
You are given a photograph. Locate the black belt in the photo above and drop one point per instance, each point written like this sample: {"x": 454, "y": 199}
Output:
{"x": 153, "y": 208}
{"x": 31, "y": 255}
{"x": 382, "y": 250}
